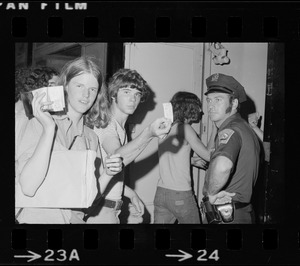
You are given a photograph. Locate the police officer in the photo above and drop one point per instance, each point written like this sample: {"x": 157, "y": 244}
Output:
{"x": 235, "y": 161}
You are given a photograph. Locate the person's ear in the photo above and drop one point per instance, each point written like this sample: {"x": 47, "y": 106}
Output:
{"x": 235, "y": 103}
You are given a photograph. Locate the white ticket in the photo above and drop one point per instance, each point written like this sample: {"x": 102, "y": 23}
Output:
{"x": 54, "y": 94}
{"x": 168, "y": 111}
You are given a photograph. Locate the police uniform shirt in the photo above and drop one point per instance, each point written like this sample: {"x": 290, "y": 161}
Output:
{"x": 237, "y": 141}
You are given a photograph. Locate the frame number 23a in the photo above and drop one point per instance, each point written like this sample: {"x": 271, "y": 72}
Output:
{"x": 61, "y": 255}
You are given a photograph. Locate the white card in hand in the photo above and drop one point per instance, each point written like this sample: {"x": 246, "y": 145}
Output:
{"x": 168, "y": 111}
{"x": 54, "y": 94}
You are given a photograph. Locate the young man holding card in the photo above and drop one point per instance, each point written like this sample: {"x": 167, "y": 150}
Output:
{"x": 174, "y": 198}
{"x": 126, "y": 90}
{"x": 47, "y": 134}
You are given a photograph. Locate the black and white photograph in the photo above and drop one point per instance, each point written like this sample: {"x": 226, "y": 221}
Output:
{"x": 149, "y": 132}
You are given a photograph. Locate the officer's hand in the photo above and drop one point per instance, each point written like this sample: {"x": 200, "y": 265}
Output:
{"x": 199, "y": 162}
{"x": 221, "y": 198}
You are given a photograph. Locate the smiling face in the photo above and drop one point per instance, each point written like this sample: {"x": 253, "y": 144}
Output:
{"x": 82, "y": 91}
{"x": 127, "y": 100}
{"x": 219, "y": 107}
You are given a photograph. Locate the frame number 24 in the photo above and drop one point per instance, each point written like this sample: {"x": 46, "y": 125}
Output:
{"x": 203, "y": 255}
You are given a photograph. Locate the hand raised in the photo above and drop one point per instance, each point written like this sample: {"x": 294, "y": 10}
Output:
{"x": 160, "y": 127}
{"x": 253, "y": 119}
{"x": 43, "y": 117}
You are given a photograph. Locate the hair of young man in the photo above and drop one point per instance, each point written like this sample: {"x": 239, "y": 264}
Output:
{"x": 39, "y": 78}
{"x": 77, "y": 67}
{"x": 186, "y": 105}
{"x": 127, "y": 78}
{"x": 100, "y": 111}
{"x": 21, "y": 74}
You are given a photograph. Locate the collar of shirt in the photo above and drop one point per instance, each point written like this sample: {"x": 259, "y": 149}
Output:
{"x": 65, "y": 124}
{"x": 228, "y": 120}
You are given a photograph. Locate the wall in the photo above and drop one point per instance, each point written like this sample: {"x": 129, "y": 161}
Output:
{"x": 168, "y": 68}
{"x": 249, "y": 66}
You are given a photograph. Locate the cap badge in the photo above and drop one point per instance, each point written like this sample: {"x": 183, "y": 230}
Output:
{"x": 215, "y": 77}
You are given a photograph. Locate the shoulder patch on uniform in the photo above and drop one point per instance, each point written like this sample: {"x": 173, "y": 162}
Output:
{"x": 225, "y": 135}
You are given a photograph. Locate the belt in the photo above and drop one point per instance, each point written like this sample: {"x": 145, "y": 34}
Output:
{"x": 239, "y": 205}
{"x": 114, "y": 204}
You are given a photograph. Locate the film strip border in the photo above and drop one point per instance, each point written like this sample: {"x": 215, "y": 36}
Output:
{"x": 148, "y": 21}
{"x": 128, "y": 27}
{"x": 153, "y": 244}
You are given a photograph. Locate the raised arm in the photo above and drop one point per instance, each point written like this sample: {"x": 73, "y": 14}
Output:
{"x": 35, "y": 170}
{"x": 132, "y": 149}
{"x": 258, "y": 132}
{"x": 253, "y": 121}
{"x": 195, "y": 142}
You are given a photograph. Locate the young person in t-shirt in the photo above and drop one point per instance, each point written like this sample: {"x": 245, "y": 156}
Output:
{"x": 126, "y": 89}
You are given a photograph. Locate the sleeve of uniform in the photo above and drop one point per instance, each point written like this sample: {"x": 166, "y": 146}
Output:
{"x": 229, "y": 144}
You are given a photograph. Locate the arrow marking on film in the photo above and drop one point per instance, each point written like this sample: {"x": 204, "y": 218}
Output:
{"x": 33, "y": 256}
{"x": 184, "y": 255}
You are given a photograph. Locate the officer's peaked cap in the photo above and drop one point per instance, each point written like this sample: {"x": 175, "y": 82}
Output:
{"x": 222, "y": 83}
